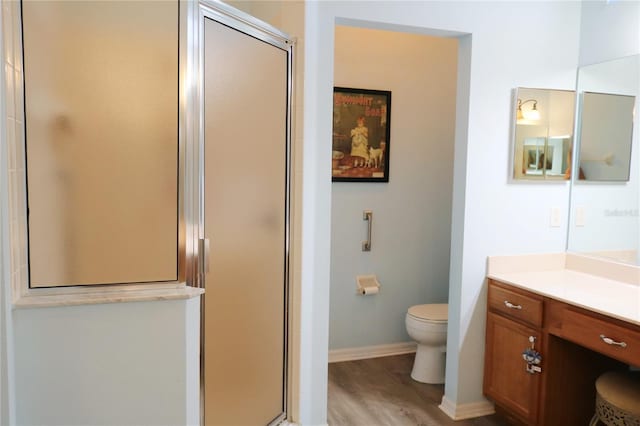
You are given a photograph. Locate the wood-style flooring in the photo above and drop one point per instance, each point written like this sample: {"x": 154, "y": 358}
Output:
{"x": 381, "y": 392}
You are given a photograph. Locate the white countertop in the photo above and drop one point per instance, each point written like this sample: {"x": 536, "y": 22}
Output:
{"x": 595, "y": 292}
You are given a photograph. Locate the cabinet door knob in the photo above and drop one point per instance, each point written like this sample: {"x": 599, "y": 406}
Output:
{"x": 610, "y": 341}
{"x": 511, "y": 305}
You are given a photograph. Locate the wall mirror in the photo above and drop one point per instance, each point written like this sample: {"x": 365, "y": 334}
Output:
{"x": 606, "y": 128}
{"x": 604, "y": 213}
{"x": 543, "y": 134}
{"x": 101, "y": 113}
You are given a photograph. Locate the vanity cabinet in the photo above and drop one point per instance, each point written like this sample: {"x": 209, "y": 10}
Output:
{"x": 573, "y": 356}
{"x": 513, "y": 320}
{"x": 506, "y": 380}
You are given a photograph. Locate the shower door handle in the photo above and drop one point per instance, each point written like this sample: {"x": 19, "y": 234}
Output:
{"x": 368, "y": 216}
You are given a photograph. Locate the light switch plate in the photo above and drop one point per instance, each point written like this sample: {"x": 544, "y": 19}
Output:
{"x": 556, "y": 219}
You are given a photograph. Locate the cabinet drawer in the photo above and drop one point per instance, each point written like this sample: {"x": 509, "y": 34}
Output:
{"x": 515, "y": 304}
{"x": 586, "y": 330}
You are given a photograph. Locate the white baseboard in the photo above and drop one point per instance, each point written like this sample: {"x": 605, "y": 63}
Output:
{"x": 466, "y": 411}
{"x": 364, "y": 352}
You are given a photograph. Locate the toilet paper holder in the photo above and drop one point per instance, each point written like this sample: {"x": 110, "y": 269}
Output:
{"x": 367, "y": 284}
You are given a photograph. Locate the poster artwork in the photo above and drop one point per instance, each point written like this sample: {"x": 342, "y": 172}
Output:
{"x": 361, "y": 120}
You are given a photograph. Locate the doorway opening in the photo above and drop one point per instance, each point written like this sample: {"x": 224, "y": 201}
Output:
{"x": 370, "y": 352}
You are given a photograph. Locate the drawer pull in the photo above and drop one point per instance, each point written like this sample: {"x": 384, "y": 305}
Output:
{"x": 511, "y": 305}
{"x": 610, "y": 341}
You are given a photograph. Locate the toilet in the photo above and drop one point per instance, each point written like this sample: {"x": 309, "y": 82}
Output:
{"x": 427, "y": 325}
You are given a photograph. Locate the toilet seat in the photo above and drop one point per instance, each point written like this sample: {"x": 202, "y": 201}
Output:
{"x": 437, "y": 313}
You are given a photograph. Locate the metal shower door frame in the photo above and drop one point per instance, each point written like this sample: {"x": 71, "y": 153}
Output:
{"x": 197, "y": 14}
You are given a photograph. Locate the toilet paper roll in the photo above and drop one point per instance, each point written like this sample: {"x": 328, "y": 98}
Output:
{"x": 367, "y": 291}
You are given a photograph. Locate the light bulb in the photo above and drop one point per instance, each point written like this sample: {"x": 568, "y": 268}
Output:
{"x": 533, "y": 114}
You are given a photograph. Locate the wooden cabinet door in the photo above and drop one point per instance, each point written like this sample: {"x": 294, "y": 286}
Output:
{"x": 506, "y": 380}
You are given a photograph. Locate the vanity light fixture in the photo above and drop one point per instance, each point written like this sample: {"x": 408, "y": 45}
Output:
{"x": 532, "y": 114}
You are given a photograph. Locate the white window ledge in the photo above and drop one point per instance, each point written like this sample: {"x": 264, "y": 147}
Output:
{"x": 34, "y": 298}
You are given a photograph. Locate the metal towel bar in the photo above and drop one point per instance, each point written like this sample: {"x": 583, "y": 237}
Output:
{"x": 368, "y": 216}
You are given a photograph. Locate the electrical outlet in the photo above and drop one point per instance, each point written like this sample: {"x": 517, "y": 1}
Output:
{"x": 581, "y": 218}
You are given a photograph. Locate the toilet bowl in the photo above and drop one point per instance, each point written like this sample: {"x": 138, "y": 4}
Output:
{"x": 427, "y": 325}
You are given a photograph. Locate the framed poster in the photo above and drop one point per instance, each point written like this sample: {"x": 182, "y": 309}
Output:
{"x": 361, "y": 127}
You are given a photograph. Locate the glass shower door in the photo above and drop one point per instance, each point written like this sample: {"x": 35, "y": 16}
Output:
{"x": 245, "y": 160}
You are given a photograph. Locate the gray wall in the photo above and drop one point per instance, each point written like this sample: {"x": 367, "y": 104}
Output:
{"x": 411, "y": 213}
{"x": 113, "y": 364}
